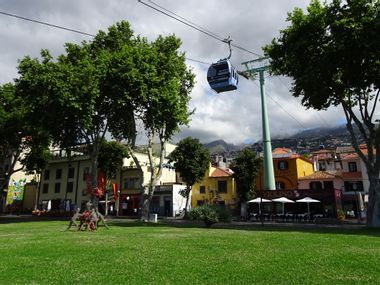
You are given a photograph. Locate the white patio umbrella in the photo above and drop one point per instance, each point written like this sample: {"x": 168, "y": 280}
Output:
{"x": 283, "y": 200}
{"x": 259, "y": 200}
{"x": 308, "y": 200}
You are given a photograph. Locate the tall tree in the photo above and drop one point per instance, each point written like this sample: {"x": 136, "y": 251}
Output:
{"x": 191, "y": 159}
{"x": 106, "y": 86}
{"x": 74, "y": 96}
{"x": 332, "y": 53}
{"x": 23, "y": 147}
{"x": 160, "y": 97}
{"x": 245, "y": 167}
{"x": 164, "y": 105}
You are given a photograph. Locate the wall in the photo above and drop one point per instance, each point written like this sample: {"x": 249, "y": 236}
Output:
{"x": 78, "y": 195}
{"x": 211, "y": 187}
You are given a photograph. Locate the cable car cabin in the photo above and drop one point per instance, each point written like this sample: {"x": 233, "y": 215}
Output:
{"x": 222, "y": 76}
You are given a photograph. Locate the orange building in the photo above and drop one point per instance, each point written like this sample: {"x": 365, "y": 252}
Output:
{"x": 288, "y": 168}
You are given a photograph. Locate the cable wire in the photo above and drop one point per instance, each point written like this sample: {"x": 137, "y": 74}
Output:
{"x": 47, "y": 24}
{"x": 267, "y": 94}
{"x": 74, "y": 31}
{"x": 183, "y": 18}
{"x": 318, "y": 114}
{"x": 191, "y": 24}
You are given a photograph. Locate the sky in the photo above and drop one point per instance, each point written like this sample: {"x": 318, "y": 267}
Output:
{"x": 232, "y": 116}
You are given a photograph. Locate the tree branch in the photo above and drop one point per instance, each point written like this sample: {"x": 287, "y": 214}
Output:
{"x": 374, "y": 105}
{"x": 350, "y": 129}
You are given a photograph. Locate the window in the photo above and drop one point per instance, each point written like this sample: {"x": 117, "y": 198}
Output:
{"x": 202, "y": 189}
{"x": 354, "y": 186}
{"x": 222, "y": 186}
{"x": 57, "y": 187}
{"x": 86, "y": 171}
{"x": 131, "y": 183}
{"x": 283, "y": 165}
{"x": 45, "y": 188}
{"x": 322, "y": 165}
{"x": 200, "y": 202}
{"x": 46, "y": 174}
{"x": 315, "y": 185}
{"x": 352, "y": 167}
{"x": 58, "y": 173}
{"x": 69, "y": 187}
{"x": 71, "y": 172}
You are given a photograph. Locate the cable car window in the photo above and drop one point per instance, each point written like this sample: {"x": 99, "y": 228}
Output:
{"x": 222, "y": 76}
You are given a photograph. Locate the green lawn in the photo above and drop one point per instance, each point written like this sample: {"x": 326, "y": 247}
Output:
{"x": 131, "y": 253}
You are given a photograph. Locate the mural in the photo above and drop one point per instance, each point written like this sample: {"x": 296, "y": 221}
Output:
{"x": 16, "y": 190}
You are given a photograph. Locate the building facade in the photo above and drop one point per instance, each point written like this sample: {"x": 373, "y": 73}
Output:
{"x": 288, "y": 168}
{"x": 63, "y": 184}
{"x": 217, "y": 187}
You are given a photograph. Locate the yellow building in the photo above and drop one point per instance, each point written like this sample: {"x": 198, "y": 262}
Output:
{"x": 288, "y": 167}
{"x": 218, "y": 186}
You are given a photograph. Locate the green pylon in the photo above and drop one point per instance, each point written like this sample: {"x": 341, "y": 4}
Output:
{"x": 269, "y": 181}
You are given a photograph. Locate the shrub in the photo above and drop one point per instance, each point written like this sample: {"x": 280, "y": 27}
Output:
{"x": 210, "y": 214}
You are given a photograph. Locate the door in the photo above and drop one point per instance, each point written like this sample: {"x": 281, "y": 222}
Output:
{"x": 168, "y": 207}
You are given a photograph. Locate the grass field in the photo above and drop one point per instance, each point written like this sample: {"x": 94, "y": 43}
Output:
{"x": 132, "y": 253}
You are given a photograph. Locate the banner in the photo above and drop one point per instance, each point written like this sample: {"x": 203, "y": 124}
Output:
{"x": 16, "y": 191}
{"x": 115, "y": 194}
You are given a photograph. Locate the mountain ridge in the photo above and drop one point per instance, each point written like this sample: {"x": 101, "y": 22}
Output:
{"x": 306, "y": 140}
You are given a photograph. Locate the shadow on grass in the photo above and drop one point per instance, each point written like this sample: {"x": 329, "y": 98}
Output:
{"x": 247, "y": 226}
{"x": 345, "y": 229}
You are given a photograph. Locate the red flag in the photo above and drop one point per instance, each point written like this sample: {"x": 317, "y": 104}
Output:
{"x": 115, "y": 191}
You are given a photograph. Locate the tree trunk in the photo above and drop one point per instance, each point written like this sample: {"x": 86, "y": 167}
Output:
{"x": 144, "y": 191}
{"x": 188, "y": 189}
{"x": 94, "y": 173}
{"x": 373, "y": 213}
{"x": 145, "y": 205}
{"x": 155, "y": 176}
{"x": 369, "y": 132}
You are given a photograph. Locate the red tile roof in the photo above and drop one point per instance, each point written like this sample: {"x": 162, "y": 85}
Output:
{"x": 349, "y": 156}
{"x": 323, "y": 154}
{"x": 220, "y": 172}
{"x": 321, "y": 175}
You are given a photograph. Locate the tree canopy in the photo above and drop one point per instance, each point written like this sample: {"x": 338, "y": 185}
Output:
{"x": 23, "y": 146}
{"x": 332, "y": 54}
{"x": 245, "y": 167}
{"x": 191, "y": 159}
{"x": 108, "y": 86}
{"x": 111, "y": 157}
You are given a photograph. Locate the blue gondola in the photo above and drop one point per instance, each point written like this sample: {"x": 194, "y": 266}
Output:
{"x": 222, "y": 76}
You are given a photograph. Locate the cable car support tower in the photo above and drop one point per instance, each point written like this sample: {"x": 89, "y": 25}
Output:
{"x": 253, "y": 67}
